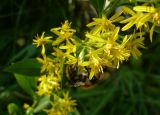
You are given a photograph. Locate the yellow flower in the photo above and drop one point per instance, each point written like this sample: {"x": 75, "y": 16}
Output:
{"x": 110, "y": 41}
{"x": 118, "y": 55}
{"x": 63, "y": 37}
{"x": 114, "y": 51}
{"x": 106, "y": 38}
{"x": 63, "y": 29}
{"x": 139, "y": 19}
{"x": 153, "y": 13}
{"x": 48, "y": 84}
{"x": 94, "y": 40}
{"x": 106, "y": 51}
{"x": 41, "y": 41}
{"x": 47, "y": 64}
{"x": 61, "y": 105}
{"x": 58, "y": 53}
{"x": 117, "y": 17}
{"x": 101, "y": 25}
{"x": 94, "y": 63}
{"x": 72, "y": 59}
{"x": 67, "y": 102}
{"x": 69, "y": 47}
{"x": 65, "y": 32}
{"x": 134, "y": 44}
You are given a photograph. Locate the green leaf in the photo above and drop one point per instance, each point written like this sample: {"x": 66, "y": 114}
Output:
{"x": 99, "y": 5}
{"x": 13, "y": 109}
{"x": 28, "y": 84}
{"x": 157, "y": 29}
{"x": 28, "y": 67}
{"x": 44, "y": 102}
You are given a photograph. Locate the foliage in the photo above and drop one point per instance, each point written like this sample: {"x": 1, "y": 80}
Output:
{"x": 132, "y": 30}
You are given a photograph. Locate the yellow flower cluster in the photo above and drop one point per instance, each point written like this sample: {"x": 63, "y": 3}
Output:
{"x": 61, "y": 105}
{"x": 141, "y": 16}
{"x": 51, "y": 78}
{"x": 103, "y": 46}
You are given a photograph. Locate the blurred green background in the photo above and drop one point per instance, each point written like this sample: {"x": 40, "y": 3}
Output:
{"x": 134, "y": 89}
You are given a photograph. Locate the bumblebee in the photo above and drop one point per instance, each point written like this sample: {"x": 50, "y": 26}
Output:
{"x": 79, "y": 77}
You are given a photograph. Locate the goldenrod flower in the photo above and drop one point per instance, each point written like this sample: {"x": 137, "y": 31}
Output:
{"x": 118, "y": 55}
{"x": 150, "y": 9}
{"x": 61, "y": 105}
{"x": 110, "y": 41}
{"x": 95, "y": 66}
{"x": 69, "y": 47}
{"x": 134, "y": 43}
{"x": 101, "y": 25}
{"x": 115, "y": 52}
{"x": 41, "y": 41}
{"x": 94, "y": 40}
{"x": 104, "y": 49}
{"x": 63, "y": 37}
{"x": 65, "y": 32}
{"x": 67, "y": 102}
{"x": 153, "y": 15}
{"x": 48, "y": 84}
{"x": 58, "y": 53}
{"x": 47, "y": 64}
{"x": 72, "y": 59}
{"x": 63, "y": 29}
{"x": 139, "y": 19}
{"x": 117, "y": 16}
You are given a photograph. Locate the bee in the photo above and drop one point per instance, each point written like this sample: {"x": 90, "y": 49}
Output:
{"x": 79, "y": 79}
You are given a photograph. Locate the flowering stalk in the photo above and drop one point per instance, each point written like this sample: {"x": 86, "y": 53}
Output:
{"x": 103, "y": 46}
